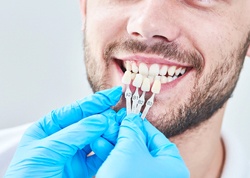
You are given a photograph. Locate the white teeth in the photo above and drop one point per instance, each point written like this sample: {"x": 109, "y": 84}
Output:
{"x": 158, "y": 78}
{"x": 137, "y": 81}
{"x": 175, "y": 77}
{"x": 126, "y": 79}
{"x": 170, "y": 79}
{"x": 178, "y": 71}
{"x": 145, "y": 85}
{"x": 154, "y": 70}
{"x": 143, "y": 69}
{"x": 164, "y": 70}
{"x": 156, "y": 88}
{"x": 164, "y": 79}
{"x": 183, "y": 71}
{"x": 164, "y": 74}
{"x": 134, "y": 68}
{"x": 171, "y": 70}
{"x": 128, "y": 66}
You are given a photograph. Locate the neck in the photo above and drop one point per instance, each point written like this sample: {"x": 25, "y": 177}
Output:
{"x": 202, "y": 148}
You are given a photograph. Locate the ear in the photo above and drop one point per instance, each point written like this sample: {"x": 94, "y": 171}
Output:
{"x": 83, "y": 10}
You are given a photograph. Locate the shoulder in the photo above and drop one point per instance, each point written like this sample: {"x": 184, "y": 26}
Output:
{"x": 237, "y": 162}
{"x": 9, "y": 139}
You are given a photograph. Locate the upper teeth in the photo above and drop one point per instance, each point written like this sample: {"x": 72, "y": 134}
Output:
{"x": 164, "y": 72}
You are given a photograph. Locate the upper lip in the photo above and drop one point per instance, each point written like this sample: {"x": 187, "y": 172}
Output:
{"x": 152, "y": 59}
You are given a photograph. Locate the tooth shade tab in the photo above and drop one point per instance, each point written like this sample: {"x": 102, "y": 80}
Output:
{"x": 145, "y": 85}
{"x": 137, "y": 82}
{"x": 133, "y": 76}
{"x": 143, "y": 69}
{"x": 156, "y": 88}
{"x": 126, "y": 79}
{"x": 154, "y": 70}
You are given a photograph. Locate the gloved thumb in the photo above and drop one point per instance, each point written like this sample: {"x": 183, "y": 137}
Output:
{"x": 131, "y": 130}
{"x": 157, "y": 143}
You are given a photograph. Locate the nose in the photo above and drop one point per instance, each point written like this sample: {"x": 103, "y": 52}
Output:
{"x": 153, "y": 20}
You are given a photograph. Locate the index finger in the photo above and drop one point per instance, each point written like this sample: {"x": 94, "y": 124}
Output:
{"x": 94, "y": 104}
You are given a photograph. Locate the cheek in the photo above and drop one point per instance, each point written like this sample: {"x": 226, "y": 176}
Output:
{"x": 104, "y": 27}
{"x": 213, "y": 35}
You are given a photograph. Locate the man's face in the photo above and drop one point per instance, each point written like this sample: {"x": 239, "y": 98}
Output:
{"x": 207, "y": 38}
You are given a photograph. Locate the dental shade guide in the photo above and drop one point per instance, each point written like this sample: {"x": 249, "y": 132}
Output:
{"x": 126, "y": 79}
{"x": 155, "y": 90}
{"x": 136, "y": 83}
{"x": 145, "y": 88}
{"x": 147, "y": 77}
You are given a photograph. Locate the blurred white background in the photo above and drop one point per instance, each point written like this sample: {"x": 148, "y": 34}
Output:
{"x": 41, "y": 65}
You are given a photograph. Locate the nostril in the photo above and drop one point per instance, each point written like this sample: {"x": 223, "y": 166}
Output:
{"x": 161, "y": 38}
{"x": 136, "y": 34}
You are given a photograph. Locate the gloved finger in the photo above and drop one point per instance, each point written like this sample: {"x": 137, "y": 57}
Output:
{"x": 157, "y": 143}
{"x": 102, "y": 148}
{"x": 121, "y": 114}
{"x": 93, "y": 163}
{"x": 66, "y": 142}
{"x": 131, "y": 133}
{"x": 113, "y": 128}
{"x": 94, "y": 104}
{"x": 129, "y": 150}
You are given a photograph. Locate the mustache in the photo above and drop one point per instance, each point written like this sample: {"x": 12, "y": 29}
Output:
{"x": 171, "y": 51}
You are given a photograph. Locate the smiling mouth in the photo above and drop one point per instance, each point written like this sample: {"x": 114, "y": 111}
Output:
{"x": 165, "y": 73}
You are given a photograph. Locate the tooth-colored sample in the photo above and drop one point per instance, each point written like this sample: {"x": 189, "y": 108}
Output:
{"x": 128, "y": 95}
{"x": 149, "y": 104}
{"x": 171, "y": 70}
{"x": 141, "y": 102}
{"x": 143, "y": 69}
{"x": 128, "y": 66}
{"x": 156, "y": 88}
{"x": 133, "y": 76}
{"x": 126, "y": 79}
{"x": 137, "y": 81}
{"x": 145, "y": 85}
{"x": 170, "y": 79}
{"x": 164, "y": 79}
{"x": 151, "y": 79}
{"x": 164, "y": 70}
{"x": 154, "y": 70}
{"x": 178, "y": 71}
{"x": 183, "y": 71}
{"x": 134, "y": 68}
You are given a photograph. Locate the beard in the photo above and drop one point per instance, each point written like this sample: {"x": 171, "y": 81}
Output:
{"x": 209, "y": 92}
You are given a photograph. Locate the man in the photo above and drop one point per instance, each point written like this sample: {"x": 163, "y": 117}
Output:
{"x": 209, "y": 39}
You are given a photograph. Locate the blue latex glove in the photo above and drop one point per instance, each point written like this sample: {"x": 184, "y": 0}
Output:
{"x": 142, "y": 151}
{"x": 58, "y": 144}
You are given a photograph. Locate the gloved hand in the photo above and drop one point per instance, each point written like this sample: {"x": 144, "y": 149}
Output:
{"x": 58, "y": 144}
{"x": 142, "y": 151}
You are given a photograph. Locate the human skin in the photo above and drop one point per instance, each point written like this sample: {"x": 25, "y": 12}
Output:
{"x": 216, "y": 31}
